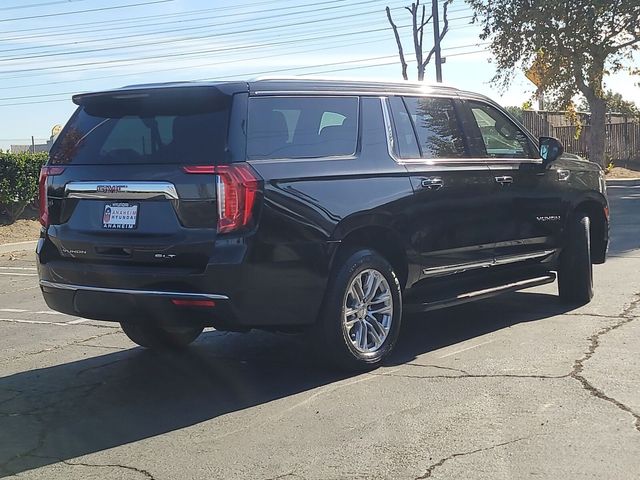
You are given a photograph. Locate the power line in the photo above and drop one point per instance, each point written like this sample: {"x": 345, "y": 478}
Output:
{"x": 121, "y": 62}
{"x": 147, "y": 17}
{"x": 190, "y": 28}
{"x": 275, "y": 71}
{"x": 199, "y": 18}
{"x": 185, "y": 39}
{"x": 83, "y": 11}
{"x": 46, "y": 4}
{"x": 358, "y": 67}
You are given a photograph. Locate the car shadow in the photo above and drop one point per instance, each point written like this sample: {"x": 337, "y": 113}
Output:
{"x": 57, "y": 413}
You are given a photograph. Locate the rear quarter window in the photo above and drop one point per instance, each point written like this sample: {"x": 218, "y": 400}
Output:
{"x": 302, "y": 127}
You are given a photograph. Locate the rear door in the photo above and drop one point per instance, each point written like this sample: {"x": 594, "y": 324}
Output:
{"x": 528, "y": 200}
{"x": 126, "y": 191}
{"x": 451, "y": 224}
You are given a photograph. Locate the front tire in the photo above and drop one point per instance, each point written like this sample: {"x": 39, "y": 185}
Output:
{"x": 575, "y": 270}
{"x": 361, "y": 315}
{"x": 161, "y": 338}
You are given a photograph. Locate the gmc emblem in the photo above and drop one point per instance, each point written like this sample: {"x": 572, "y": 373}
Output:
{"x": 110, "y": 188}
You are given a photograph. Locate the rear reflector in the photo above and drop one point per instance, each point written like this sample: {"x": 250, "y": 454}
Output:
{"x": 237, "y": 186}
{"x": 45, "y": 173}
{"x": 181, "y": 302}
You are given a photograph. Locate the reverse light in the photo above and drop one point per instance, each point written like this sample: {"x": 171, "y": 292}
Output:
{"x": 237, "y": 187}
{"x": 45, "y": 173}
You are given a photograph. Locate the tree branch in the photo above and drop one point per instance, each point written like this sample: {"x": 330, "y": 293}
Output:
{"x": 399, "y": 43}
{"x": 635, "y": 39}
{"x": 444, "y": 31}
{"x": 421, "y": 28}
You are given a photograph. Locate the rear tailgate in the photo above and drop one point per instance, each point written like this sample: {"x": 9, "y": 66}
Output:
{"x": 97, "y": 214}
{"x": 121, "y": 192}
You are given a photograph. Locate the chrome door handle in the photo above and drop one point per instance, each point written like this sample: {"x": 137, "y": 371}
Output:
{"x": 504, "y": 180}
{"x": 432, "y": 183}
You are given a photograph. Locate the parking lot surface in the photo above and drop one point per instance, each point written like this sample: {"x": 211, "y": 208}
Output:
{"x": 517, "y": 386}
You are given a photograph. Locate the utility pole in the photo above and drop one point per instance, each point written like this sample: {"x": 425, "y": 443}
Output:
{"x": 436, "y": 39}
{"x": 33, "y": 144}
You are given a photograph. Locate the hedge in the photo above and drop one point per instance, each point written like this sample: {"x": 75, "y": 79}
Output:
{"x": 19, "y": 174}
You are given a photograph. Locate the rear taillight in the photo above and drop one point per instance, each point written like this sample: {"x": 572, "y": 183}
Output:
{"x": 46, "y": 172}
{"x": 237, "y": 186}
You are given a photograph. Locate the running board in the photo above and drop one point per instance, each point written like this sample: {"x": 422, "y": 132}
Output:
{"x": 480, "y": 294}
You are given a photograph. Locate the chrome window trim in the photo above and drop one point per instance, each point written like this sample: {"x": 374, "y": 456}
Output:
{"x": 121, "y": 190}
{"x": 388, "y": 128}
{"x": 503, "y": 260}
{"x": 458, "y": 163}
{"x": 153, "y": 293}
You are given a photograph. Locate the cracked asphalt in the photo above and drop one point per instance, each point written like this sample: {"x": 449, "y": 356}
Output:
{"x": 513, "y": 387}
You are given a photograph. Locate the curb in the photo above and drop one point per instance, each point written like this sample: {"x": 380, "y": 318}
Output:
{"x": 635, "y": 179}
{"x": 18, "y": 246}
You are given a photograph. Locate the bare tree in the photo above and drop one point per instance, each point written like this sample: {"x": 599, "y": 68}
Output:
{"x": 418, "y": 24}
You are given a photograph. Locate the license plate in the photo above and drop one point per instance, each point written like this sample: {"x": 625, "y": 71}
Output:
{"x": 122, "y": 216}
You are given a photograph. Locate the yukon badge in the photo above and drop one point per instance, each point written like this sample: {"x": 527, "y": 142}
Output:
{"x": 549, "y": 218}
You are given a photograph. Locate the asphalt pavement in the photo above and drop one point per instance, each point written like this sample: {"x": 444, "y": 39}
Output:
{"x": 513, "y": 387}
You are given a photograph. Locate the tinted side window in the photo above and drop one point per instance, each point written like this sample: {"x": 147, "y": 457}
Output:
{"x": 406, "y": 144}
{"x": 302, "y": 127}
{"x": 436, "y": 126}
{"x": 499, "y": 136}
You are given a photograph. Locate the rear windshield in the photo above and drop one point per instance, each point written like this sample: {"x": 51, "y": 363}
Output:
{"x": 302, "y": 127}
{"x": 180, "y": 129}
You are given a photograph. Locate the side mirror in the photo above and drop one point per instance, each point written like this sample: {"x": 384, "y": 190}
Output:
{"x": 550, "y": 149}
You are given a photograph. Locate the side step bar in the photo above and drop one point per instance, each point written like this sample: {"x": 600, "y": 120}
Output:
{"x": 480, "y": 294}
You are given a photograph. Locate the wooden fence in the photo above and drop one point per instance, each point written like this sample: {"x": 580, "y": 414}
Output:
{"x": 622, "y": 139}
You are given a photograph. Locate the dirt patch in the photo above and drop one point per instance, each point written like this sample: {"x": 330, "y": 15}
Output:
{"x": 26, "y": 228}
{"x": 621, "y": 172}
{"x": 625, "y": 169}
{"x": 20, "y": 231}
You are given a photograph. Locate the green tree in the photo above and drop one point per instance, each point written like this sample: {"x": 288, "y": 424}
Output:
{"x": 615, "y": 104}
{"x": 573, "y": 43}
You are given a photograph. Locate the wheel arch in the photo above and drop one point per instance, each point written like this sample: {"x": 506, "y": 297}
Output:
{"x": 597, "y": 210}
{"x": 381, "y": 238}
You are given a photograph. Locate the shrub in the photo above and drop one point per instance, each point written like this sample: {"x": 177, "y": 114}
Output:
{"x": 19, "y": 174}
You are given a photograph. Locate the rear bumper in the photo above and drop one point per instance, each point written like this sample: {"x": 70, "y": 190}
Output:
{"x": 131, "y": 305}
{"x": 263, "y": 289}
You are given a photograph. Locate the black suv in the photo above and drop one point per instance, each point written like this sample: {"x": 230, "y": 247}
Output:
{"x": 326, "y": 207}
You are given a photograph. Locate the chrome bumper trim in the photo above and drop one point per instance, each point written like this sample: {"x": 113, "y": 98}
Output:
{"x": 120, "y": 190}
{"x": 153, "y": 293}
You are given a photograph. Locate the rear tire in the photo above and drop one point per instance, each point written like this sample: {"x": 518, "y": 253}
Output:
{"x": 161, "y": 338}
{"x": 575, "y": 271}
{"x": 361, "y": 315}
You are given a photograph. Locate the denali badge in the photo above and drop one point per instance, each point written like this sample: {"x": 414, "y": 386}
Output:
{"x": 110, "y": 188}
{"x": 549, "y": 218}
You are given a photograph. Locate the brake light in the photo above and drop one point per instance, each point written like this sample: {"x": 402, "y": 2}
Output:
{"x": 237, "y": 186}
{"x": 46, "y": 172}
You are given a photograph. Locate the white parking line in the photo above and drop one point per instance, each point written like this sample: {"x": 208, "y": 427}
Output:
{"x": 36, "y": 322}
{"x": 34, "y": 269}
{"x": 48, "y": 312}
{"x": 77, "y": 321}
{"x": 13, "y": 274}
{"x": 465, "y": 349}
{"x": 13, "y": 310}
